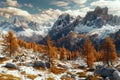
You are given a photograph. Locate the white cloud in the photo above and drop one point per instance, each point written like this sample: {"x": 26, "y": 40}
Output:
{"x": 49, "y": 15}
{"x": 11, "y": 11}
{"x": 60, "y": 3}
{"x": 28, "y": 5}
{"x": 46, "y": 16}
{"x": 81, "y": 2}
{"x": 113, "y": 6}
{"x": 12, "y": 3}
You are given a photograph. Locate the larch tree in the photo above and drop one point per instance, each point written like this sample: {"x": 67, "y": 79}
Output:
{"x": 109, "y": 51}
{"x": 49, "y": 45}
{"x": 89, "y": 50}
{"x": 52, "y": 51}
{"x": 10, "y": 43}
{"x": 63, "y": 54}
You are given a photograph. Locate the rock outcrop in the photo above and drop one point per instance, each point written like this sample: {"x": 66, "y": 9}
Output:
{"x": 116, "y": 75}
{"x": 100, "y": 17}
{"x": 108, "y": 73}
{"x": 39, "y": 64}
{"x": 10, "y": 65}
{"x": 63, "y": 20}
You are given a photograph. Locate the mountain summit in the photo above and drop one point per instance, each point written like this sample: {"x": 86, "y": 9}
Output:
{"x": 97, "y": 24}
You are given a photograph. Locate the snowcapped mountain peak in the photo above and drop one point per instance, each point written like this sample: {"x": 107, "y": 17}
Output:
{"x": 25, "y": 29}
{"x": 98, "y": 21}
{"x": 63, "y": 20}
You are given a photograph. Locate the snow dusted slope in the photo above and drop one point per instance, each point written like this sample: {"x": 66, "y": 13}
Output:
{"x": 98, "y": 22}
{"x": 26, "y": 29}
{"x": 24, "y": 66}
{"x": 102, "y": 32}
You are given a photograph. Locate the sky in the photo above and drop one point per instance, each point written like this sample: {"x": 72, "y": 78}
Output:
{"x": 46, "y": 10}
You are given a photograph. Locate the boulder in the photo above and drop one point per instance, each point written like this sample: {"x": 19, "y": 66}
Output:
{"x": 47, "y": 64}
{"x": 116, "y": 75}
{"x": 104, "y": 72}
{"x": 10, "y": 65}
{"x": 39, "y": 64}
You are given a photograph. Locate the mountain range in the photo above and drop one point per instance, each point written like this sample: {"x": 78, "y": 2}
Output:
{"x": 24, "y": 29}
{"x": 98, "y": 24}
{"x": 67, "y": 30}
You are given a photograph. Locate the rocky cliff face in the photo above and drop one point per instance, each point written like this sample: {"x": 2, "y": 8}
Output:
{"x": 97, "y": 24}
{"x": 63, "y": 20}
{"x": 100, "y": 17}
{"x": 64, "y": 25}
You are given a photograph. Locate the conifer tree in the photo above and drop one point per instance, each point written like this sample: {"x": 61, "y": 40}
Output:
{"x": 89, "y": 51}
{"x": 10, "y": 43}
{"x": 109, "y": 51}
{"x": 52, "y": 51}
{"x": 63, "y": 54}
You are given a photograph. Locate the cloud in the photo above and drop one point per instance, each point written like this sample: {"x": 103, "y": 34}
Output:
{"x": 11, "y": 11}
{"x": 45, "y": 16}
{"x": 60, "y": 3}
{"x": 28, "y": 5}
{"x": 80, "y": 2}
{"x": 113, "y": 6}
{"x": 51, "y": 15}
{"x": 12, "y": 3}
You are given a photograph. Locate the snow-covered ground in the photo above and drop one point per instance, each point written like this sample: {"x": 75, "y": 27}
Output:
{"x": 76, "y": 69}
{"x": 44, "y": 74}
{"x": 40, "y": 74}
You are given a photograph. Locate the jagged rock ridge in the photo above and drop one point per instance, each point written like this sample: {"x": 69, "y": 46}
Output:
{"x": 70, "y": 32}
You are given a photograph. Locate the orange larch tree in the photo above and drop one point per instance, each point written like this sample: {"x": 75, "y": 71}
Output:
{"x": 10, "y": 43}
{"x": 63, "y": 54}
{"x": 90, "y": 52}
{"x": 109, "y": 51}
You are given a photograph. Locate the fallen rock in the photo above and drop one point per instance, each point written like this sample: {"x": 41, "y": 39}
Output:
{"x": 39, "y": 64}
{"x": 116, "y": 75}
{"x": 10, "y": 65}
{"x": 104, "y": 72}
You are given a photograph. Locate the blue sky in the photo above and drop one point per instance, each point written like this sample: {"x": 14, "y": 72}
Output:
{"x": 45, "y": 10}
{"x": 34, "y": 6}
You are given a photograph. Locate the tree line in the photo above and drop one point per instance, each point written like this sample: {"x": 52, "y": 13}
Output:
{"x": 107, "y": 54}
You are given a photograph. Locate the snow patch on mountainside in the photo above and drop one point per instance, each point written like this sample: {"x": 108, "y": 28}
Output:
{"x": 102, "y": 32}
{"x": 26, "y": 29}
